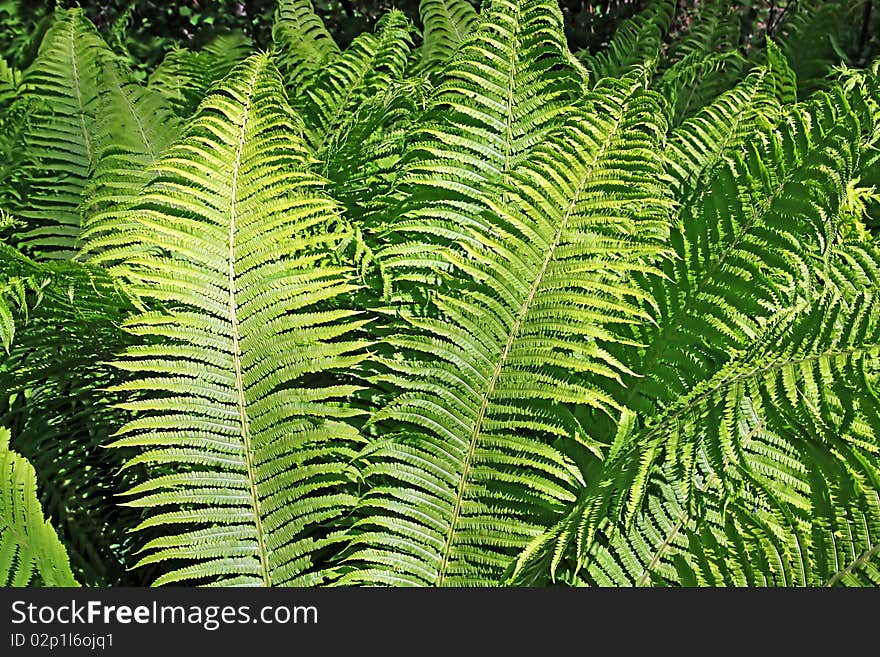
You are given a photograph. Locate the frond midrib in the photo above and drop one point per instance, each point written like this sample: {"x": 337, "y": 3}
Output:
{"x": 855, "y": 563}
{"x": 511, "y": 83}
{"x": 236, "y": 348}
{"x": 76, "y": 86}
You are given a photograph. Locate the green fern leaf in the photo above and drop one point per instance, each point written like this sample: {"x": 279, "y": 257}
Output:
{"x": 447, "y": 23}
{"x": 238, "y": 414}
{"x": 465, "y": 466}
{"x": 765, "y": 474}
{"x": 30, "y": 552}
{"x": 746, "y": 245}
{"x": 303, "y": 43}
{"x": 10, "y": 80}
{"x": 62, "y": 86}
{"x": 698, "y": 80}
{"x": 366, "y": 69}
{"x": 483, "y": 120}
{"x": 702, "y": 142}
{"x": 635, "y": 43}
{"x": 67, "y": 320}
{"x": 138, "y": 125}
{"x": 711, "y": 31}
{"x": 361, "y": 158}
{"x": 814, "y": 35}
{"x": 185, "y": 76}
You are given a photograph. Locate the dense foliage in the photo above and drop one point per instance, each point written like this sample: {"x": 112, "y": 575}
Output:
{"x": 455, "y": 305}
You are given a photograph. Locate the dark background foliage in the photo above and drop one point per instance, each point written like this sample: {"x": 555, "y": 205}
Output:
{"x": 148, "y": 28}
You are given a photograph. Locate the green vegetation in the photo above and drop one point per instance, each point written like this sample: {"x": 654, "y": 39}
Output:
{"x": 455, "y": 304}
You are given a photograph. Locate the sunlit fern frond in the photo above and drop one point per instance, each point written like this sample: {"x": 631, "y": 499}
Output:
{"x": 240, "y": 417}
{"x": 703, "y": 141}
{"x": 30, "y": 552}
{"x": 467, "y": 462}
{"x": 510, "y": 85}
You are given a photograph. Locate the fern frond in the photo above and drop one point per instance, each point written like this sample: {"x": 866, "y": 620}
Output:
{"x": 711, "y": 31}
{"x": 30, "y": 552}
{"x": 137, "y": 125}
{"x": 784, "y": 75}
{"x": 765, "y": 474}
{"x": 853, "y": 266}
{"x": 10, "y": 80}
{"x": 361, "y": 158}
{"x": 780, "y": 195}
{"x": 465, "y": 464}
{"x": 18, "y": 290}
{"x": 745, "y": 247}
{"x": 366, "y": 69}
{"x": 303, "y": 44}
{"x": 67, "y": 320}
{"x": 702, "y": 142}
{"x": 62, "y": 87}
{"x": 508, "y": 87}
{"x": 446, "y": 24}
{"x": 697, "y": 80}
{"x": 238, "y": 412}
{"x": 185, "y": 76}
{"x": 637, "y": 42}
{"x": 815, "y": 39}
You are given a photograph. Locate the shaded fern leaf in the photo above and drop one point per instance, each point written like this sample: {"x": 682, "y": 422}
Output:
{"x": 765, "y": 474}
{"x": 137, "y": 125}
{"x": 62, "y": 89}
{"x": 698, "y": 80}
{"x": 303, "y": 44}
{"x": 465, "y": 465}
{"x": 365, "y": 70}
{"x": 10, "y": 80}
{"x": 446, "y": 24}
{"x": 710, "y": 31}
{"x": 635, "y": 43}
{"x": 819, "y": 35}
{"x": 185, "y": 76}
{"x": 746, "y": 246}
{"x": 238, "y": 413}
{"x": 361, "y": 158}
{"x": 17, "y": 293}
{"x": 68, "y": 321}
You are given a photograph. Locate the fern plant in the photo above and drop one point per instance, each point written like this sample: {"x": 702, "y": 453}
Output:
{"x": 31, "y": 552}
{"x": 452, "y": 306}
